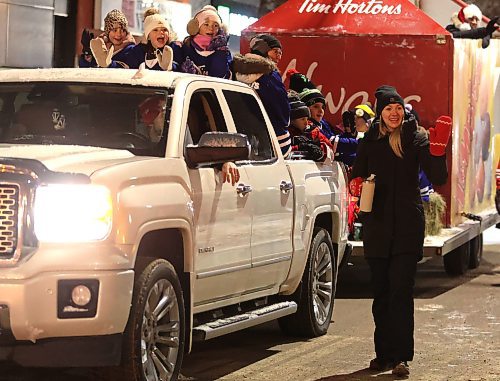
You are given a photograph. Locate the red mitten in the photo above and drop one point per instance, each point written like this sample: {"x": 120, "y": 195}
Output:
{"x": 318, "y": 136}
{"x": 352, "y": 212}
{"x": 355, "y": 186}
{"x": 440, "y": 135}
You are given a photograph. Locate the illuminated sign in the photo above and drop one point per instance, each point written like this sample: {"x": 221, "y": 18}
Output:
{"x": 236, "y": 22}
{"x": 373, "y": 7}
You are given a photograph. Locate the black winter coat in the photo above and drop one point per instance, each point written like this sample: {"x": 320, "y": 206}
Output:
{"x": 396, "y": 224}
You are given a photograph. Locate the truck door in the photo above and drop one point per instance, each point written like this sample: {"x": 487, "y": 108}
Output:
{"x": 222, "y": 217}
{"x": 271, "y": 194}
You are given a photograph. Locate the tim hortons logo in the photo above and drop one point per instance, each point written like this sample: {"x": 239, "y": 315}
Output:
{"x": 373, "y": 7}
{"x": 341, "y": 101}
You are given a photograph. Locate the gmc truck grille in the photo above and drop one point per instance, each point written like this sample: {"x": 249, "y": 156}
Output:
{"x": 9, "y": 217}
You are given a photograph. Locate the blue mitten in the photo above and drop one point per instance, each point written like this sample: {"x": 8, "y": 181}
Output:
{"x": 219, "y": 42}
{"x": 188, "y": 66}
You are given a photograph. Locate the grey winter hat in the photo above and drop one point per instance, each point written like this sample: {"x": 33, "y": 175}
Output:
{"x": 298, "y": 109}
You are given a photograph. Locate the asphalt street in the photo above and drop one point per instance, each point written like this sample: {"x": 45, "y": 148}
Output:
{"x": 457, "y": 335}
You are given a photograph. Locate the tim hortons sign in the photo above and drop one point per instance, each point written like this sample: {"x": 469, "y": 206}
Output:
{"x": 373, "y": 7}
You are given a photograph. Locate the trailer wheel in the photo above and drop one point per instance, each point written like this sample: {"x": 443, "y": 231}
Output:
{"x": 316, "y": 293}
{"x": 456, "y": 262}
{"x": 476, "y": 251}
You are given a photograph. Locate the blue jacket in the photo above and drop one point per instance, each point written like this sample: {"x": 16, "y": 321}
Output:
{"x": 214, "y": 63}
{"x": 82, "y": 62}
{"x": 344, "y": 147}
{"x": 136, "y": 55}
{"x": 261, "y": 74}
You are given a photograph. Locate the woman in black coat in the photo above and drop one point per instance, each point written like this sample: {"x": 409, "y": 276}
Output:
{"x": 394, "y": 150}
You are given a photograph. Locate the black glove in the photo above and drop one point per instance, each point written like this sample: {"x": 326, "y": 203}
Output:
{"x": 348, "y": 119}
{"x": 85, "y": 41}
{"x": 313, "y": 151}
{"x": 486, "y": 41}
{"x": 490, "y": 28}
{"x": 300, "y": 139}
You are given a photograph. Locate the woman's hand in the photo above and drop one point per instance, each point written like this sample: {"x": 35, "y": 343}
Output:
{"x": 230, "y": 173}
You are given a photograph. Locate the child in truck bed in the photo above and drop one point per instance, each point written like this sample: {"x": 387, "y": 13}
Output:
{"x": 205, "y": 50}
{"x": 116, "y": 41}
{"x": 344, "y": 148}
{"x": 157, "y": 51}
{"x": 301, "y": 140}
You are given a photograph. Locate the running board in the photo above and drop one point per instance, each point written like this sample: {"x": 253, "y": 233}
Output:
{"x": 235, "y": 323}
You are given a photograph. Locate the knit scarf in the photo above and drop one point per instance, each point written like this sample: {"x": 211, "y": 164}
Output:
{"x": 202, "y": 41}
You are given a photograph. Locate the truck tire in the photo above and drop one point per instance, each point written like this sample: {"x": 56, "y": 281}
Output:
{"x": 456, "y": 262}
{"x": 476, "y": 251}
{"x": 315, "y": 295}
{"x": 154, "y": 338}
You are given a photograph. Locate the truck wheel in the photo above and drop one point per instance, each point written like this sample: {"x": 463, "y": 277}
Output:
{"x": 476, "y": 251}
{"x": 456, "y": 262}
{"x": 154, "y": 338}
{"x": 316, "y": 293}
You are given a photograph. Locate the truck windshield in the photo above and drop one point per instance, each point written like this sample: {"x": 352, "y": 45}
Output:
{"x": 101, "y": 115}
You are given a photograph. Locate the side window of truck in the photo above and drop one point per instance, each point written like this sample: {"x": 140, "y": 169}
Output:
{"x": 249, "y": 120}
{"x": 204, "y": 115}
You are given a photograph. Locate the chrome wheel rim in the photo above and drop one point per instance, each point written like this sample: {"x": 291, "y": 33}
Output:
{"x": 322, "y": 287}
{"x": 160, "y": 333}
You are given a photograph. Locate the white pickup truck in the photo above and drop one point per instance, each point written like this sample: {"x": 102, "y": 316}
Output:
{"x": 119, "y": 242}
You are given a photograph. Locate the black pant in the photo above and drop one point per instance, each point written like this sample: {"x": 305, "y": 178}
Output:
{"x": 393, "y": 280}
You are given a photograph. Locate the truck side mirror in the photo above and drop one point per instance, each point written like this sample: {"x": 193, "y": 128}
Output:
{"x": 216, "y": 148}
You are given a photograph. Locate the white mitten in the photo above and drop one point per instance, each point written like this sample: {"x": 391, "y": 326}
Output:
{"x": 165, "y": 58}
{"x": 101, "y": 53}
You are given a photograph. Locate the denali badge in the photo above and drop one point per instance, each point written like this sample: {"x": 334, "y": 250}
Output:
{"x": 206, "y": 250}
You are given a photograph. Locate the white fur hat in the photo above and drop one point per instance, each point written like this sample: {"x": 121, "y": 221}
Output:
{"x": 155, "y": 21}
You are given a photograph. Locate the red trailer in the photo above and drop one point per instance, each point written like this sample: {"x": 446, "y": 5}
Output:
{"x": 350, "y": 47}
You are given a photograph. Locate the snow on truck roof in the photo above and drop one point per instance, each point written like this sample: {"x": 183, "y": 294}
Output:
{"x": 151, "y": 78}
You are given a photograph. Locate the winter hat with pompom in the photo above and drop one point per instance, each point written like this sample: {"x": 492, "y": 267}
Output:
{"x": 308, "y": 93}
{"x": 460, "y": 19}
{"x": 155, "y": 21}
{"x": 150, "y": 108}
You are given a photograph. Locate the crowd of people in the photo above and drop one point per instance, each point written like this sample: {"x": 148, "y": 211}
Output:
{"x": 385, "y": 142}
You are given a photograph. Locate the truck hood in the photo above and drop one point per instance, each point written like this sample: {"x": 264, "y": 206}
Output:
{"x": 64, "y": 158}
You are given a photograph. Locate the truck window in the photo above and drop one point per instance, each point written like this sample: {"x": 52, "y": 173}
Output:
{"x": 102, "y": 115}
{"x": 204, "y": 115}
{"x": 248, "y": 119}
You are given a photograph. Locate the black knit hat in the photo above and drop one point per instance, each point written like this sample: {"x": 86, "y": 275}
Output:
{"x": 299, "y": 82}
{"x": 386, "y": 95}
{"x": 263, "y": 43}
{"x": 307, "y": 91}
{"x": 298, "y": 109}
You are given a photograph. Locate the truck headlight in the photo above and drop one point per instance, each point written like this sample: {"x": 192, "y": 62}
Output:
{"x": 72, "y": 213}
